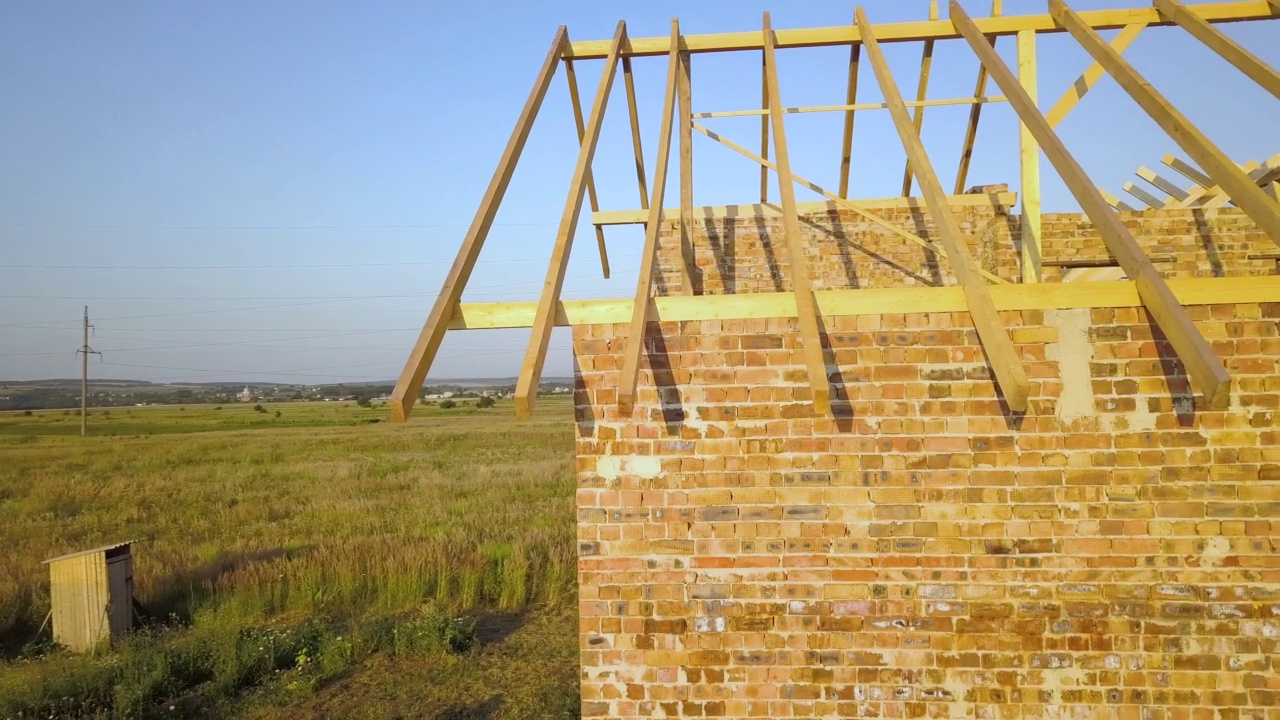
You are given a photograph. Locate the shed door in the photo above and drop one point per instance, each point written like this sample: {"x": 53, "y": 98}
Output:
{"x": 120, "y": 575}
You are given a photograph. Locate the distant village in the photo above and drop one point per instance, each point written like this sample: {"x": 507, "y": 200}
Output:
{"x": 53, "y": 394}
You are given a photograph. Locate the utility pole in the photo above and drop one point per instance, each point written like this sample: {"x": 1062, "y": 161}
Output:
{"x": 85, "y": 351}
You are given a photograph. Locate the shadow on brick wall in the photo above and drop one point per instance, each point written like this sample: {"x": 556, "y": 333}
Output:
{"x": 1175, "y": 375}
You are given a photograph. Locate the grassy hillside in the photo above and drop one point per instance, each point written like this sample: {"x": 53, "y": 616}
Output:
{"x": 316, "y": 563}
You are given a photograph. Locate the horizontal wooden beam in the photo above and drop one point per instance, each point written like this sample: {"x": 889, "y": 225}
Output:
{"x": 869, "y": 301}
{"x": 708, "y": 212}
{"x": 855, "y": 106}
{"x": 923, "y": 30}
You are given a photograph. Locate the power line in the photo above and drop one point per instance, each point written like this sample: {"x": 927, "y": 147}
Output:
{"x": 361, "y": 298}
{"x": 262, "y": 267}
{"x": 229, "y": 228}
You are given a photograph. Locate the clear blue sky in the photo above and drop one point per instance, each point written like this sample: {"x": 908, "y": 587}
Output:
{"x": 274, "y": 191}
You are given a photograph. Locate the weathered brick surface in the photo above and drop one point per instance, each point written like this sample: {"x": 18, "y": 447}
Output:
{"x": 739, "y": 255}
{"x": 1112, "y": 553}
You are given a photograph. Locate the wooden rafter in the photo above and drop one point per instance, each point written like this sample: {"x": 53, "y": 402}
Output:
{"x": 424, "y": 350}
{"x": 634, "y": 112}
{"x": 1239, "y": 10}
{"x": 1146, "y": 197}
{"x": 576, "y": 101}
{"x": 1116, "y": 202}
{"x": 922, "y": 92}
{"x": 1090, "y": 77}
{"x": 1214, "y": 195}
{"x": 1031, "y": 255}
{"x": 1205, "y": 369}
{"x": 1231, "y": 51}
{"x": 1010, "y": 375}
{"x": 540, "y": 338}
{"x": 975, "y": 113}
{"x": 842, "y": 202}
{"x": 684, "y": 82}
{"x": 1242, "y": 190}
{"x": 810, "y": 329}
{"x": 1164, "y": 185}
{"x": 1188, "y": 171}
{"x": 850, "y": 99}
{"x": 649, "y": 257}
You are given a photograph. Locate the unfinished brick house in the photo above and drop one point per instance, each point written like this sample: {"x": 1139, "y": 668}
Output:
{"x": 935, "y": 456}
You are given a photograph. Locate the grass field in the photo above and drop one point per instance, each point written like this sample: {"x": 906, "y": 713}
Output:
{"x": 318, "y": 563}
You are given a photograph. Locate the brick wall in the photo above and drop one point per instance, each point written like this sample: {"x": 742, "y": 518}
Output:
{"x": 742, "y": 254}
{"x": 1111, "y": 554}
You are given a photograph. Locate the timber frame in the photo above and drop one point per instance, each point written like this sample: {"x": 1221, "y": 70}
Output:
{"x": 1216, "y": 180}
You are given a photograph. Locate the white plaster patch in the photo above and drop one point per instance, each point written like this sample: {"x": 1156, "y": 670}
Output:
{"x": 612, "y": 467}
{"x": 1072, "y": 352}
{"x": 1215, "y": 550}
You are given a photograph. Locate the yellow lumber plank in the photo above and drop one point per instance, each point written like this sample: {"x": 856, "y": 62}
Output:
{"x": 540, "y": 338}
{"x": 1001, "y": 200}
{"x": 648, "y": 259}
{"x": 684, "y": 84}
{"x": 851, "y": 99}
{"x": 1241, "y": 10}
{"x": 1231, "y": 51}
{"x": 1143, "y": 195}
{"x": 810, "y": 328}
{"x": 1241, "y": 189}
{"x": 1205, "y": 369}
{"x": 868, "y": 301}
{"x": 1029, "y": 165}
{"x": 1163, "y": 184}
{"x": 1187, "y": 170}
{"x": 424, "y": 350}
{"x": 1116, "y": 202}
{"x": 1010, "y": 374}
{"x": 764, "y": 128}
{"x": 1090, "y": 77}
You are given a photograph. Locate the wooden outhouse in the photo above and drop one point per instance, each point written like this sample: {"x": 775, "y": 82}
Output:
{"x": 91, "y": 593}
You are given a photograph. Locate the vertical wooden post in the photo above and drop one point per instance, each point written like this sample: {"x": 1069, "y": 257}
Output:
{"x": 1029, "y": 151}
{"x": 850, "y": 98}
{"x": 764, "y": 128}
{"x": 685, "y": 92}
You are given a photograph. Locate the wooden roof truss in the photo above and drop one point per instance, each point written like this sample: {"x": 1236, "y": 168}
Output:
{"x": 1215, "y": 180}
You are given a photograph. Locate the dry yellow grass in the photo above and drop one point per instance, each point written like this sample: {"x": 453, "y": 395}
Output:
{"x": 316, "y": 535}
